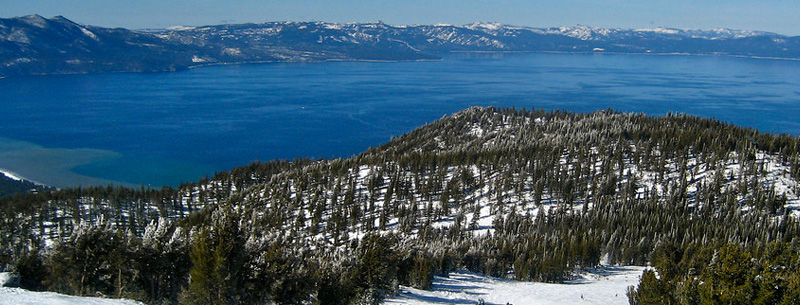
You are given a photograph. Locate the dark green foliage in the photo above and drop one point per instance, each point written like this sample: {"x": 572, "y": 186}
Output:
{"x": 31, "y": 271}
{"x": 93, "y": 261}
{"x": 218, "y": 258}
{"x": 10, "y": 186}
{"x": 416, "y": 269}
{"x": 732, "y": 275}
{"x": 162, "y": 266}
{"x": 376, "y": 268}
{"x": 653, "y": 291}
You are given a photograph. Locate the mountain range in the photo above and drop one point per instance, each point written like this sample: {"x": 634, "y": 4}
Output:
{"x": 34, "y": 45}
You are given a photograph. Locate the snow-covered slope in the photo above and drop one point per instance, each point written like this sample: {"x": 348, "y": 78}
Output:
{"x": 605, "y": 285}
{"x": 600, "y": 286}
{"x": 17, "y": 296}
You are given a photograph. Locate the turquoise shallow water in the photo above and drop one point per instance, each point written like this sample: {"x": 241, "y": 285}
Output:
{"x": 166, "y": 128}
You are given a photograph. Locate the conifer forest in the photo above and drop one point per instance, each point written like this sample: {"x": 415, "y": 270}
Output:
{"x": 530, "y": 195}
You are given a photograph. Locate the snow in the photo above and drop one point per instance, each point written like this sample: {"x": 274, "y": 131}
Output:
{"x": 332, "y": 26}
{"x": 6, "y": 278}
{"x": 10, "y": 174}
{"x": 90, "y": 34}
{"x": 660, "y": 30}
{"x": 17, "y": 296}
{"x": 181, "y": 28}
{"x": 232, "y": 51}
{"x": 605, "y": 285}
{"x": 581, "y": 32}
{"x": 492, "y": 26}
{"x": 35, "y": 20}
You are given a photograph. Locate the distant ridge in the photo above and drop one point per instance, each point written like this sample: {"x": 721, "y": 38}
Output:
{"x": 33, "y": 45}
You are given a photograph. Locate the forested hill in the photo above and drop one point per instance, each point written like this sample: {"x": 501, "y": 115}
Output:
{"x": 9, "y": 186}
{"x": 33, "y": 45}
{"x": 524, "y": 194}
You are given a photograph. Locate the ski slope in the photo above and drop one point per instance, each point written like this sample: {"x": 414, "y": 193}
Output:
{"x": 604, "y": 285}
{"x": 17, "y": 296}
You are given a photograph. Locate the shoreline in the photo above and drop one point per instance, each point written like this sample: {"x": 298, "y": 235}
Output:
{"x": 16, "y": 177}
{"x": 335, "y": 60}
{"x": 633, "y": 53}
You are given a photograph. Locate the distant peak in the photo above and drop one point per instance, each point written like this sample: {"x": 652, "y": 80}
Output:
{"x": 35, "y": 20}
{"x": 61, "y": 18}
{"x": 32, "y": 17}
{"x": 485, "y": 25}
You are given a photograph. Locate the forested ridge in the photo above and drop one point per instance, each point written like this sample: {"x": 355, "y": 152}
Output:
{"x": 524, "y": 194}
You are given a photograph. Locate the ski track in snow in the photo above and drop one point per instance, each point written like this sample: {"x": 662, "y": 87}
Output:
{"x": 606, "y": 285}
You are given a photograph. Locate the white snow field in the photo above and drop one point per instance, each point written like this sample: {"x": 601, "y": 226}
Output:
{"x": 606, "y": 285}
{"x": 17, "y": 296}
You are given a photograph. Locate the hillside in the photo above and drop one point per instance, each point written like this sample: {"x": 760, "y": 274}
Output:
{"x": 34, "y": 45}
{"x": 10, "y": 185}
{"x": 529, "y": 195}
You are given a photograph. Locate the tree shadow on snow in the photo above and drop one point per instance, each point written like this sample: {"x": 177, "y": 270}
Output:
{"x": 441, "y": 300}
{"x": 591, "y": 275}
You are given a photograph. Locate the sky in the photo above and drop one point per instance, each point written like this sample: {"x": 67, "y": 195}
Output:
{"x": 779, "y": 16}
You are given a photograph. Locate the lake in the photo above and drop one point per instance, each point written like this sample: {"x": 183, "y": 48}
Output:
{"x": 167, "y": 128}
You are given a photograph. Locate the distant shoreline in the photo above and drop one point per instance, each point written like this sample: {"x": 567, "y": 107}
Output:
{"x": 17, "y": 177}
{"x": 629, "y": 53}
{"x": 11, "y": 174}
{"x": 244, "y": 63}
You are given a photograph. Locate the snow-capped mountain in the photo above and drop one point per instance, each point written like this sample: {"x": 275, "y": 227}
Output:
{"x": 37, "y": 45}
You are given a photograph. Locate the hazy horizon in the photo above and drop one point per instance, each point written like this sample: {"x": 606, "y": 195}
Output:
{"x": 771, "y": 15}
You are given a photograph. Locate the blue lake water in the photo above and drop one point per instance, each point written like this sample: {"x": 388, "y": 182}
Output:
{"x": 167, "y": 128}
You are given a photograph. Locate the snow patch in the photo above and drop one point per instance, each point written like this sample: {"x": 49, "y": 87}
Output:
{"x": 581, "y": 32}
{"x": 6, "y": 278}
{"x": 89, "y": 33}
{"x": 35, "y": 20}
{"x": 18, "y": 36}
{"x": 493, "y": 26}
{"x": 606, "y": 285}
{"x": 11, "y": 174}
{"x": 232, "y": 51}
{"x": 19, "y": 296}
{"x": 660, "y": 30}
{"x": 181, "y": 28}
